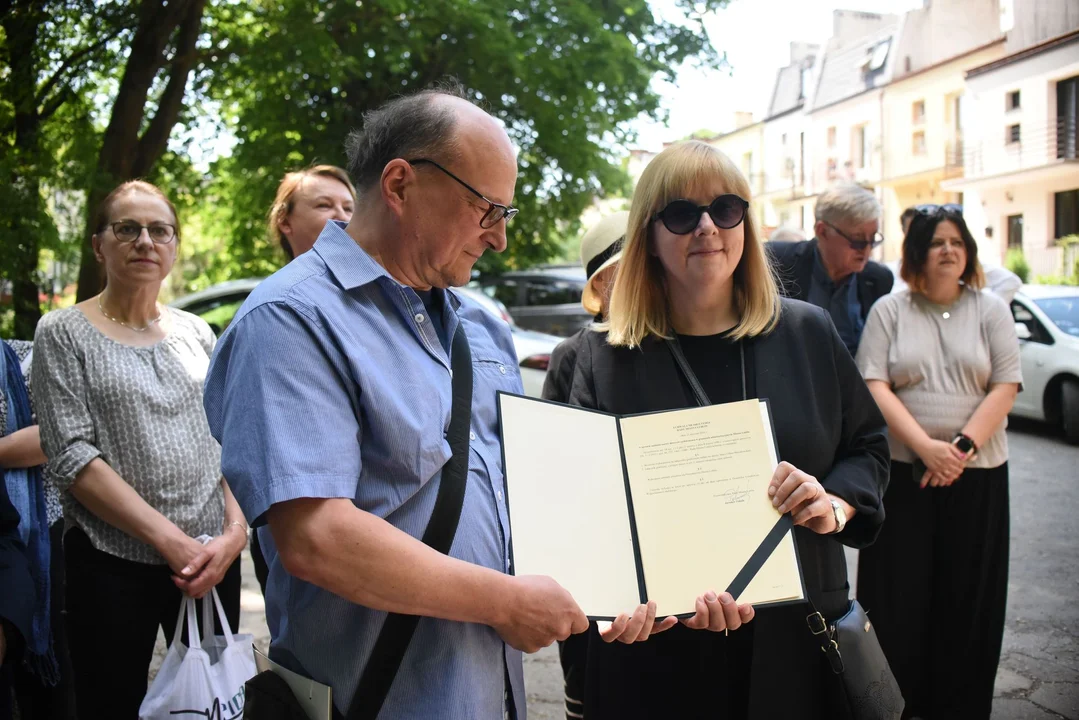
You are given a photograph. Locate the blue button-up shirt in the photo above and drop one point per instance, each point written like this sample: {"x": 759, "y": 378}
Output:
{"x": 840, "y": 300}
{"x": 331, "y": 382}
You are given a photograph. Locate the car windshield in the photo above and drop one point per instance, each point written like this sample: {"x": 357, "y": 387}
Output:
{"x": 1063, "y": 311}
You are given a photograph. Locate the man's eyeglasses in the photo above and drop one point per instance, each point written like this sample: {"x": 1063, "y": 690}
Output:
{"x": 495, "y": 211}
{"x": 855, "y": 243}
{"x": 127, "y": 232}
{"x": 947, "y": 209}
{"x": 683, "y": 216}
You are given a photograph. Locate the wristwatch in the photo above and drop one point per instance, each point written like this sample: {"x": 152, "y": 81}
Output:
{"x": 840, "y": 516}
{"x": 965, "y": 445}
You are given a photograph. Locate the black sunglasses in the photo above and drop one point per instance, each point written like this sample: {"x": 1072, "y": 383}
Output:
{"x": 947, "y": 208}
{"x": 855, "y": 243}
{"x": 683, "y": 216}
{"x": 495, "y": 211}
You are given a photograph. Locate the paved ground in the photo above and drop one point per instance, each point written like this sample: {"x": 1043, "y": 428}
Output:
{"x": 1039, "y": 670}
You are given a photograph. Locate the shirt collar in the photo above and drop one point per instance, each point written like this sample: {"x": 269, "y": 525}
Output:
{"x": 350, "y": 264}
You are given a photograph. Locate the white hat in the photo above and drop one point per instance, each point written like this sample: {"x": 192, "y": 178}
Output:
{"x": 601, "y": 247}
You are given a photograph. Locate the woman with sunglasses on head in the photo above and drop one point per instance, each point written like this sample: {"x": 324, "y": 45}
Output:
{"x": 694, "y": 279}
{"x": 942, "y": 360}
{"x": 118, "y": 386}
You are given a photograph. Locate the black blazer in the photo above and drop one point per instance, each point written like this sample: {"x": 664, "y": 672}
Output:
{"x": 793, "y": 262}
{"x": 827, "y": 424}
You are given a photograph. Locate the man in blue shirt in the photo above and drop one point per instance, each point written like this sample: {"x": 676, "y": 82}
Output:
{"x": 833, "y": 270}
{"x": 331, "y": 393}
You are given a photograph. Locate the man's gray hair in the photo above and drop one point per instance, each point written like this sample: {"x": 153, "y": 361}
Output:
{"x": 847, "y": 203}
{"x": 407, "y": 127}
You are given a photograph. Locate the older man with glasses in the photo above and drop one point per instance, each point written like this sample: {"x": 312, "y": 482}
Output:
{"x": 354, "y": 396}
{"x": 833, "y": 270}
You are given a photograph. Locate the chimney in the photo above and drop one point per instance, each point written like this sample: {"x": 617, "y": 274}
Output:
{"x": 742, "y": 119}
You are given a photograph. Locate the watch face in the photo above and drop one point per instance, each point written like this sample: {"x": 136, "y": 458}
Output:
{"x": 964, "y": 445}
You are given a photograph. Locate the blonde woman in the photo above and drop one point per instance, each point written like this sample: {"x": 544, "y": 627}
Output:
{"x": 305, "y": 201}
{"x": 694, "y": 278}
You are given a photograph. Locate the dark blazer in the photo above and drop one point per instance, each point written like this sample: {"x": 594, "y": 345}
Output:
{"x": 556, "y": 383}
{"x": 827, "y": 424}
{"x": 793, "y": 262}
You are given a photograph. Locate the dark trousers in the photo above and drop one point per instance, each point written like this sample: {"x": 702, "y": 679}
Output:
{"x": 573, "y": 653}
{"x": 114, "y": 608}
{"x": 936, "y": 586}
{"x": 36, "y": 700}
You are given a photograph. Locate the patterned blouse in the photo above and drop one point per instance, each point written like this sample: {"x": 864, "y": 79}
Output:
{"x": 140, "y": 410}
{"x": 53, "y": 510}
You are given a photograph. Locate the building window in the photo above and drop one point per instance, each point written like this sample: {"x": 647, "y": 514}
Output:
{"x": 1015, "y": 231}
{"x": 1066, "y": 221}
{"x": 918, "y": 112}
{"x": 918, "y": 144}
{"x": 1013, "y": 100}
{"x": 1013, "y": 135}
{"x": 831, "y": 137}
{"x": 783, "y": 139}
{"x": 747, "y": 165}
{"x": 860, "y": 146}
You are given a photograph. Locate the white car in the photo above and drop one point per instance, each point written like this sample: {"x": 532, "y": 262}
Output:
{"x": 1047, "y": 322}
{"x": 218, "y": 304}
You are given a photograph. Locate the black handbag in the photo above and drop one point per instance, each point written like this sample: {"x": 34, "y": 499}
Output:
{"x": 397, "y": 630}
{"x": 870, "y": 691}
{"x": 855, "y": 656}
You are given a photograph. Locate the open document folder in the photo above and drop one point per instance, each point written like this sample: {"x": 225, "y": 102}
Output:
{"x": 664, "y": 506}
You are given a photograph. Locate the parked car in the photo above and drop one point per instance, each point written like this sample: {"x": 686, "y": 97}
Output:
{"x": 218, "y": 304}
{"x": 1047, "y": 322}
{"x": 545, "y": 298}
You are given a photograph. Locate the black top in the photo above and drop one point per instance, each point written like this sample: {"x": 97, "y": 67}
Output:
{"x": 717, "y": 363}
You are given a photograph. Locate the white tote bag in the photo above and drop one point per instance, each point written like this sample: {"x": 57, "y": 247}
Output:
{"x": 201, "y": 680}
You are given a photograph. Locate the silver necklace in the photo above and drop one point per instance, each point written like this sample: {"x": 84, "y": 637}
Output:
{"x": 121, "y": 322}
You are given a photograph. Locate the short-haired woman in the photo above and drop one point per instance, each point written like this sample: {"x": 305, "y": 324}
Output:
{"x": 305, "y": 200}
{"x": 118, "y": 387}
{"x": 942, "y": 360}
{"x": 694, "y": 276}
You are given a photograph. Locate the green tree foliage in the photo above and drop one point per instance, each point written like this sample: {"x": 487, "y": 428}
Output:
{"x": 48, "y": 50}
{"x": 565, "y": 77}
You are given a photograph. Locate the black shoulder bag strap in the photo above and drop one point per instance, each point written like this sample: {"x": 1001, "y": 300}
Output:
{"x": 397, "y": 631}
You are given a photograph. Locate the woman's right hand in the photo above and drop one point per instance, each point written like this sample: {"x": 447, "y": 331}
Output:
{"x": 718, "y": 612}
{"x": 942, "y": 458}
{"x": 179, "y": 550}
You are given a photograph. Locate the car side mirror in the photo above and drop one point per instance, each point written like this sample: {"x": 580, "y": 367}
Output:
{"x": 1023, "y": 331}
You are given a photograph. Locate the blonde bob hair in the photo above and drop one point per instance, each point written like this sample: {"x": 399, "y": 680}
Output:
{"x": 284, "y": 201}
{"x": 639, "y": 296}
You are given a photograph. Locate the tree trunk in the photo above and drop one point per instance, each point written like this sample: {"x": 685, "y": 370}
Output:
{"x": 124, "y": 155}
{"x": 27, "y": 219}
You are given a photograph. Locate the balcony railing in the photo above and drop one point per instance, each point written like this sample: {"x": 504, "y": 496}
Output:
{"x": 1035, "y": 147}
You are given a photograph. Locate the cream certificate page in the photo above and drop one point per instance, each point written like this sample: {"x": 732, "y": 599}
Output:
{"x": 699, "y": 483}
{"x": 566, "y": 492}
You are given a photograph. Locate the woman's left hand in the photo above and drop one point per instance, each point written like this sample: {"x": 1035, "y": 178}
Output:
{"x": 804, "y": 497}
{"x": 209, "y": 567}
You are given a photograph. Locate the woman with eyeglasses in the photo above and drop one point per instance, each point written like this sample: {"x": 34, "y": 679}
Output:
{"x": 118, "y": 385}
{"x": 942, "y": 360}
{"x": 694, "y": 280}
